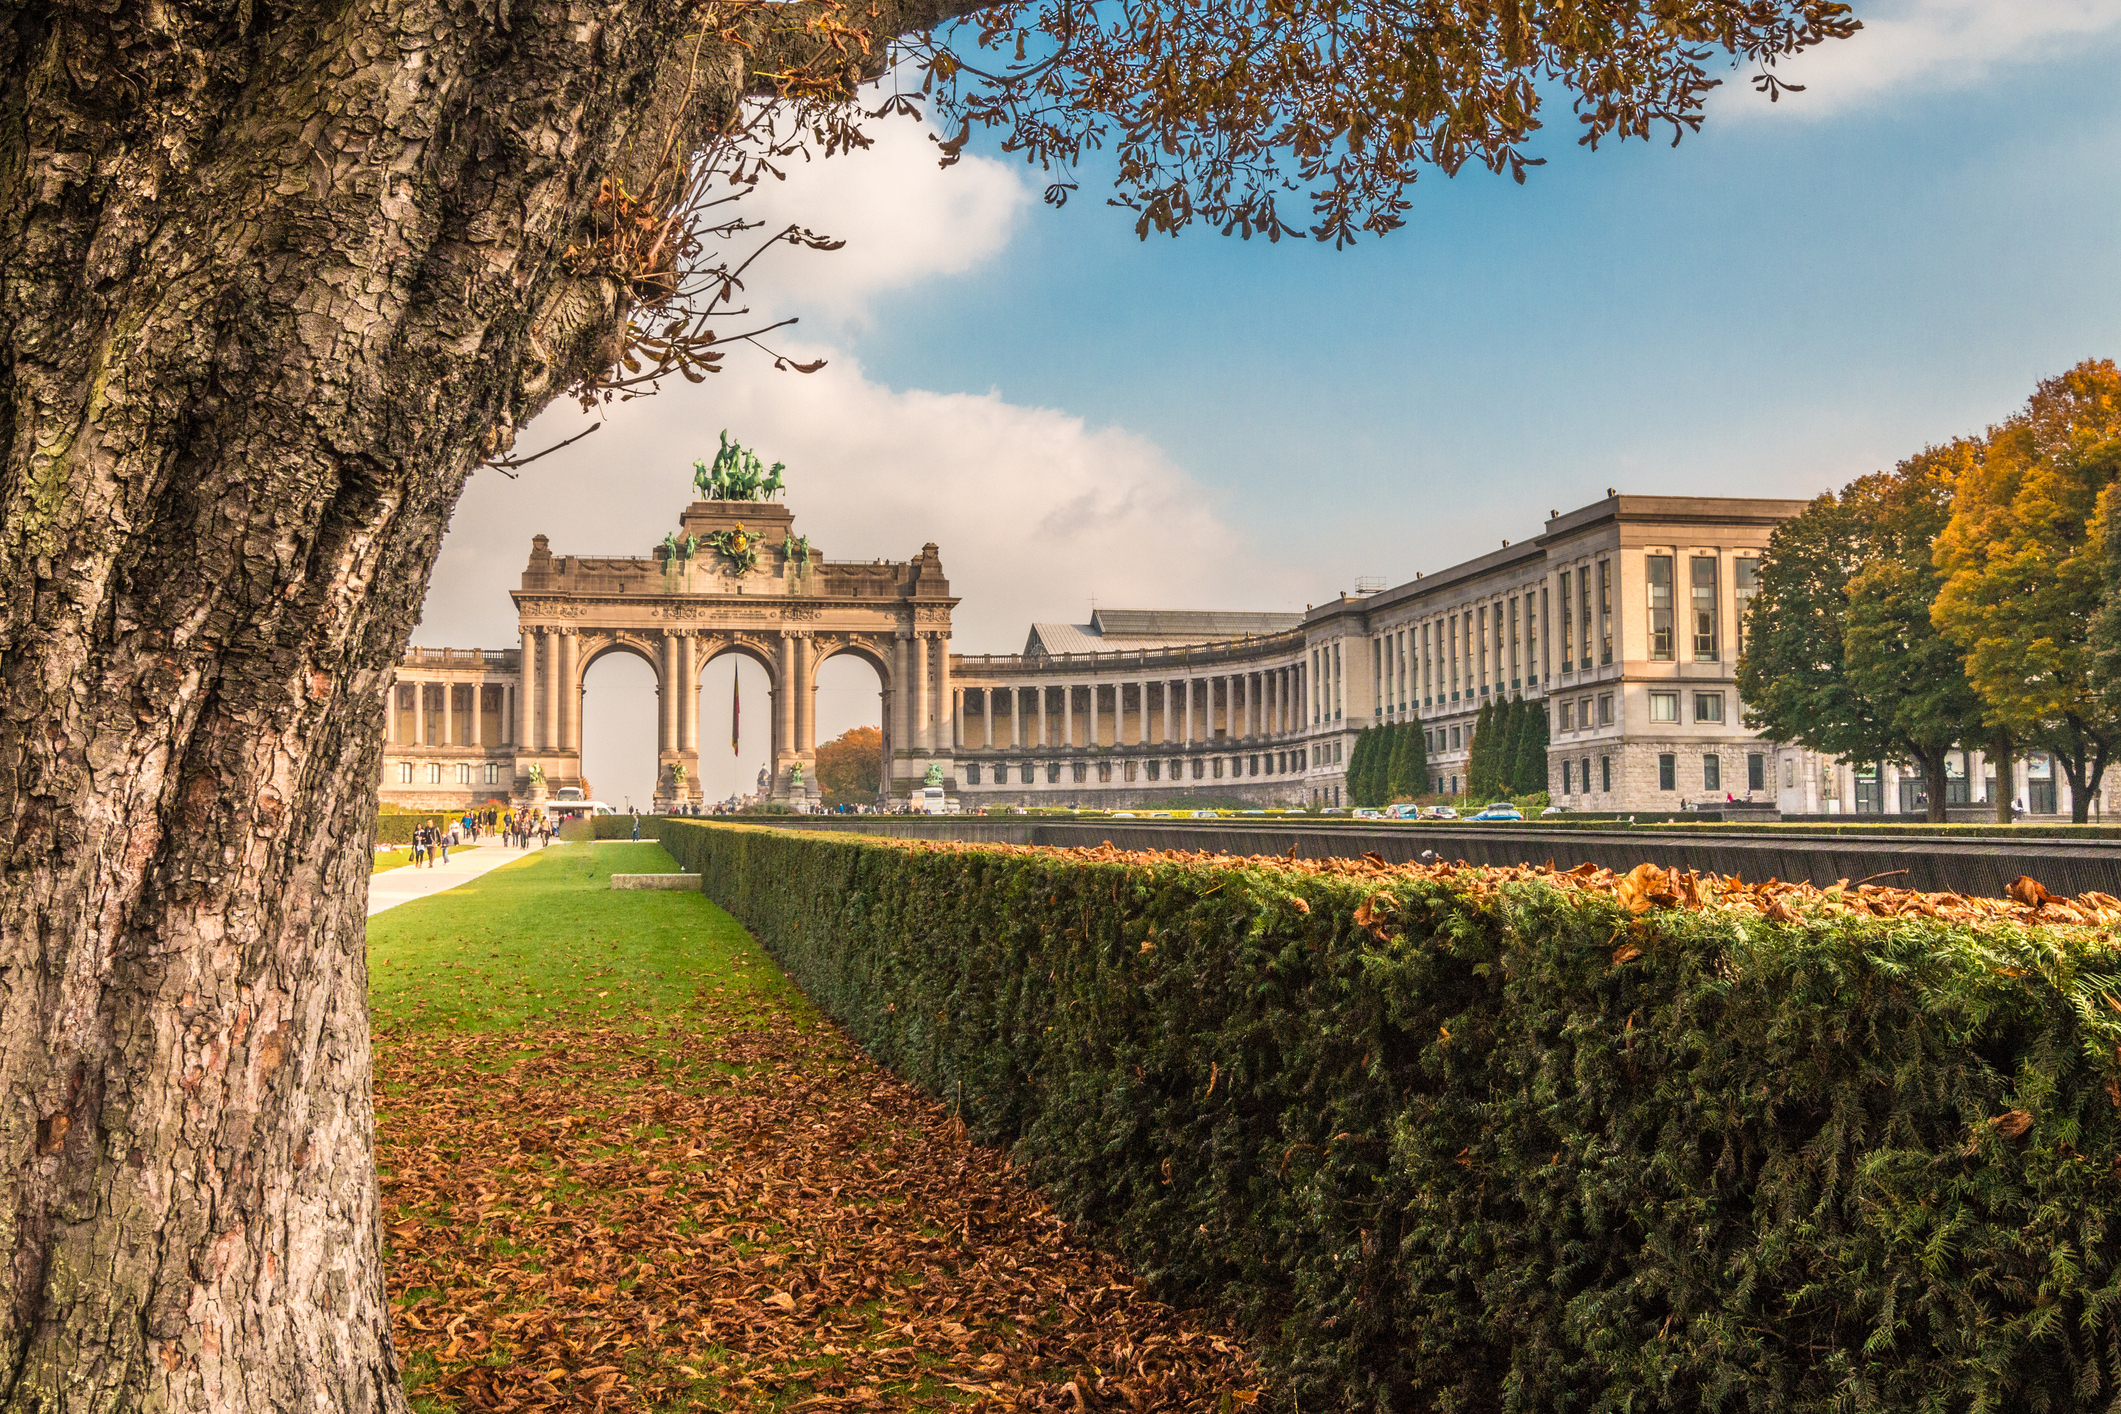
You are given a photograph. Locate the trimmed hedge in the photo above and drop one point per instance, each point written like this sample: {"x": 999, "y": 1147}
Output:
{"x": 1454, "y": 1146}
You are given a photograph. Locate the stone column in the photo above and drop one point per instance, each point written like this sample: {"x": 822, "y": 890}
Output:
{"x": 666, "y": 716}
{"x": 1044, "y": 733}
{"x": 896, "y": 733}
{"x": 1092, "y": 729}
{"x": 946, "y": 733}
{"x": 1016, "y": 718}
{"x": 799, "y": 689}
{"x": 548, "y": 690}
{"x": 919, "y": 709}
{"x": 571, "y": 689}
{"x": 478, "y": 715}
{"x": 1185, "y": 735}
{"x": 987, "y": 719}
{"x": 449, "y": 712}
{"x": 1068, "y": 716}
{"x": 783, "y": 702}
{"x": 688, "y": 692}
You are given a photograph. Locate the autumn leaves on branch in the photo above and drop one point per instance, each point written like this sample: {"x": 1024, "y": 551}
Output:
{"x": 1969, "y": 598}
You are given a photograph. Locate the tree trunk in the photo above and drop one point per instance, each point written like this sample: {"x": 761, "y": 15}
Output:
{"x": 270, "y": 278}
{"x": 1936, "y": 781}
{"x": 2001, "y": 751}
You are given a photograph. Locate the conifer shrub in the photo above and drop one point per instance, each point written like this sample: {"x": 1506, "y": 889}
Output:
{"x": 1448, "y": 1144}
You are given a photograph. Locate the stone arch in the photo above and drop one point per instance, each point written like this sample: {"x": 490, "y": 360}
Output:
{"x": 752, "y": 646}
{"x": 876, "y": 653}
{"x": 602, "y": 645}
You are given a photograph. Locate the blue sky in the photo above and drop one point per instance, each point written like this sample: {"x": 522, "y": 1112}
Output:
{"x": 1789, "y": 299}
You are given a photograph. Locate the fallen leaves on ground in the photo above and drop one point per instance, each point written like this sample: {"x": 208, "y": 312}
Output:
{"x": 739, "y": 1211}
{"x": 1641, "y": 889}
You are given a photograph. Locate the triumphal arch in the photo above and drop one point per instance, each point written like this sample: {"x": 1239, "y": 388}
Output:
{"x": 734, "y": 577}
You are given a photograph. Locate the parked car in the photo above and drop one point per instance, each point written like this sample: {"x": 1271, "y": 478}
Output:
{"x": 1554, "y": 810}
{"x": 1251, "y": 812}
{"x": 1438, "y": 812}
{"x": 1500, "y": 810}
{"x": 1123, "y": 815}
{"x": 1205, "y": 815}
{"x": 1369, "y": 813}
{"x": 1403, "y": 812}
{"x": 1159, "y": 815}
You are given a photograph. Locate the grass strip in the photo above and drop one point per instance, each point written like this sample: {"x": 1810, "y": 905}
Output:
{"x": 627, "y": 1167}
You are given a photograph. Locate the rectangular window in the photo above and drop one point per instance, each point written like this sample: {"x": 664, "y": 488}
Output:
{"x": 463, "y": 773}
{"x": 1708, "y": 706}
{"x": 493, "y": 773}
{"x": 1452, "y": 633}
{"x": 1712, "y": 773}
{"x": 405, "y": 773}
{"x": 1483, "y": 650}
{"x": 1454, "y": 738}
{"x": 1566, "y": 768}
{"x": 1583, "y": 614}
{"x": 1755, "y": 771}
{"x": 1605, "y": 612}
{"x": 1658, "y": 571}
{"x": 1789, "y": 774}
{"x": 1516, "y": 668}
{"x": 1156, "y": 770}
{"x": 1667, "y": 771}
{"x": 1745, "y": 577}
{"x": 1605, "y": 710}
{"x": 1664, "y": 706}
{"x": 1605, "y": 774}
{"x": 1567, "y": 716}
{"x": 1531, "y": 633}
{"x": 434, "y": 773}
{"x": 1568, "y": 627}
{"x": 1705, "y": 616}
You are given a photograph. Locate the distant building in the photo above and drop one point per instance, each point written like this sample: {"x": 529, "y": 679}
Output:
{"x": 1624, "y": 619}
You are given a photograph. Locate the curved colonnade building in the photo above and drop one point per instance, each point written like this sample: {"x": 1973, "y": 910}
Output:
{"x": 1624, "y": 619}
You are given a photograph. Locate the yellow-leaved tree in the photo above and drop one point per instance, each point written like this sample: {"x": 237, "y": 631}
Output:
{"x": 2024, "y": 563}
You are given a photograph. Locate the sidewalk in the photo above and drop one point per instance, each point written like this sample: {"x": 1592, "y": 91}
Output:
{"x": 402, "y": 885}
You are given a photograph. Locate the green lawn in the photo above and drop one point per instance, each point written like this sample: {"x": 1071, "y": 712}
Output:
{"x": 548, "y": 940}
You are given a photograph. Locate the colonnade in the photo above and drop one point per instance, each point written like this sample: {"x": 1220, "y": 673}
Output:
{"x": 1252, "y": 705}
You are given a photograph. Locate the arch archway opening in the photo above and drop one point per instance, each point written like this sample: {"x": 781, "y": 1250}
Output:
{"x": 619, "y": 731}
{"x": 736, "y": 727}
{"x": 850, "y": 730}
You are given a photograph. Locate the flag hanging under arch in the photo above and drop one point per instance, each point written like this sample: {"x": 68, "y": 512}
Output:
{"x": 736, "y": 704}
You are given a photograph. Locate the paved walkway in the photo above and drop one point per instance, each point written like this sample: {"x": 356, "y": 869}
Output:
{"x": 404, "y": 884}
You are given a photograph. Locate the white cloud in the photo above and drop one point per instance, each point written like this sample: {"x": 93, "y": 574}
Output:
{"x": 1930, "y": 43}
{"x": 1034, "y": 512}
{"x": 904, "y": 218}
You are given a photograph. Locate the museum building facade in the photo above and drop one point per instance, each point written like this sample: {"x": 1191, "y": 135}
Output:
{"x": 1624, "y": 619}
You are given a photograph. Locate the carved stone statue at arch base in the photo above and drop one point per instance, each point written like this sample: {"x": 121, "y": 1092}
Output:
{"x": 733, "y": 577}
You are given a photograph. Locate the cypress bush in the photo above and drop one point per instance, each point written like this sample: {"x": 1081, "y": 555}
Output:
{"x": 1480, "y": 754}
{"x": 1454, "y": 1144}
{"x": 1529, "y": 758}
{"x": 1409, "y": 771}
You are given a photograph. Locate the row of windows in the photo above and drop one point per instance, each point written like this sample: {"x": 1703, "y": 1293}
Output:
{"x": 1495, "y": 647}
{"x": 1271, "y": 763}
{"x": 463, "y": 772}
{"x": 1576, "y": 775}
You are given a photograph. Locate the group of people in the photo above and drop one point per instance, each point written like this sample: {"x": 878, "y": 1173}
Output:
{"x": 431, "y": 839}
{"x": 428, "y": 840}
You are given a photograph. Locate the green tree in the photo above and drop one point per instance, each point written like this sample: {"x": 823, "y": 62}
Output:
{"x": 2025, "y": 568}
{"x": 1528, "y": 766}
{"x": 1838, "y": 656}
{"x": 1479, "y": 752}
{"x": 1358, "y": 772}
{"x": 1410, "y": 762}
{"x": 1911, "y": 677}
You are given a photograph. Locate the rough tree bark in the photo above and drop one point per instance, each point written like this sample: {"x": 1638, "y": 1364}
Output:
{"x": 271, "y": 277}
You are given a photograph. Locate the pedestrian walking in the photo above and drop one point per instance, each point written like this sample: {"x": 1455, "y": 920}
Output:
{"x": 636, "y": 824}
